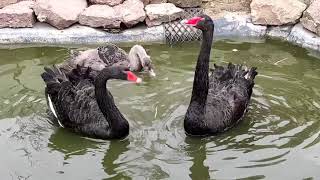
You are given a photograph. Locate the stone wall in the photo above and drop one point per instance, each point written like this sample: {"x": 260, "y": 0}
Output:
{"x": 94, "y": 13}
{"x": 297, "y": 21}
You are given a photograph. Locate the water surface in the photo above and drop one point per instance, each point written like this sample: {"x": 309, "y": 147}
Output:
{"x": 279, "y": 137}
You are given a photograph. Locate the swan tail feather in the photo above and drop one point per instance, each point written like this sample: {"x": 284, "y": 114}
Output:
{"x": 81, "y": 73}
{"x": 53, "y": 77}
{"x": 251, "y": 74}
{"x": 233, "y": 71}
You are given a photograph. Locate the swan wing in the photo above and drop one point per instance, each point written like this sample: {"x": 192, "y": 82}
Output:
{"x": 112, "y": 54}
{"x": 81, "y": 110}
{"x": 229, "y": 95}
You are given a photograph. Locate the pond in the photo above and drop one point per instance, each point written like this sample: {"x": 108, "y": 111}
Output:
{"x": 279, "y": 137}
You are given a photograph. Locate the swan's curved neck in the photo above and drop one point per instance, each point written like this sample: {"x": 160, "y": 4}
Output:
{"x": 106, "y": 103}
{"x": 201, "y": 77}
{"x": 136, "y": 56}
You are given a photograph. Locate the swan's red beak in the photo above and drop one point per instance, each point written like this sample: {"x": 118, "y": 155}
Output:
{"x": 133, "y": 77}
{"x": 193, "y": 21}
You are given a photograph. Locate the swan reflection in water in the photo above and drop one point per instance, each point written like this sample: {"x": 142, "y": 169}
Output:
{"x": 197, "y": 151}
{"x": 71, "y": 144}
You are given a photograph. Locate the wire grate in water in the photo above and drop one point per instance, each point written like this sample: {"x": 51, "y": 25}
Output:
{"x": 176, "y": 32}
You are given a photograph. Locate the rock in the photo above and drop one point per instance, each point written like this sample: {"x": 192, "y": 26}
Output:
{"x": 146, "y": 2}
{"x": 307, "y": 2}
{"x": 186, "y": 3}
{"x": 4, "y": 3}
{"x": 218, "y": 8}
{"x": 60, "y": 14}
{"x": 160, "y": 13}
{"x": 100, "y": 16}
{"x": 235, "y": 26}
{"x": 157, "y": 1}
{"x": 43, "y": 33}
{"x": 29, "y": 4}
{"x": 311, "y": 17}
{"x": 17, "y": 15}
{"x": 281, "y": 32}
{"x": 276, "y": 12}
{"x": 304, "y": 38}
{"x": 106, "y": 2}
{"x": 131, "y": 12}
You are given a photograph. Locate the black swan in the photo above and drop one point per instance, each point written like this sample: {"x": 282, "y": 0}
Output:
{"x": 220, "y": 101}
{"x": 83, "y": 104}
{"x": 111, "y": 55}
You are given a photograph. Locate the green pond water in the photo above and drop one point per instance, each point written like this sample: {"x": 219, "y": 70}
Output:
{"x": 278, "y": 138}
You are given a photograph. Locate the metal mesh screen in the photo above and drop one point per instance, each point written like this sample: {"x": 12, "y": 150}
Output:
{"x": 176, "y": 32}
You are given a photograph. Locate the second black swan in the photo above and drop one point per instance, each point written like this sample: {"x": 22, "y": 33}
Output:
{"x": 220, "y": 101}
{"x": 83, "y": 104}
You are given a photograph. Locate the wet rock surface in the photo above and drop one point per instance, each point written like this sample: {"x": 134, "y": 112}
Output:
{"x": 301, "y": 36}
{"x": 280, "y": 32}
{"x": 233, "y": 25}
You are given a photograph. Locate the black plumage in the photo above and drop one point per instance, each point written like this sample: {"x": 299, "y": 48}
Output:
{"x": 218, "y": 102}
{"x": 85, "y": 105}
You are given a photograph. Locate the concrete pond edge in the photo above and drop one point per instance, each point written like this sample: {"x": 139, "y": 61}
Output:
{"x": 229, "y": 27}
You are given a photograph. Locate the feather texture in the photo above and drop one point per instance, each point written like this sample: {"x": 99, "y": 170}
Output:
{"x": 220, "y": 101}
{"x": 74, "y": 99}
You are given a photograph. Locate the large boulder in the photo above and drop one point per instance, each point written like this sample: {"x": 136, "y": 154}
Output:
{"x": 131, "y": 12}
{"x": 160, "y": 13}
{"x": 106, "y": 2}
{"x": 276, "y": 12}
{"x": 186, "y": 3}
{"x": 4, "y": 3}
{"x": 60, "y": 14}
{"x": 17, "y": 15}
{"x": 100, "y": 16}
{"x": 311, "y": 17}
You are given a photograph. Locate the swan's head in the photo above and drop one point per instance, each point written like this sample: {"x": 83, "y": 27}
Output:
{"x": 202, "y": 22}
{"x": 147, "y": 65}
{"x": 124, "y": 73}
